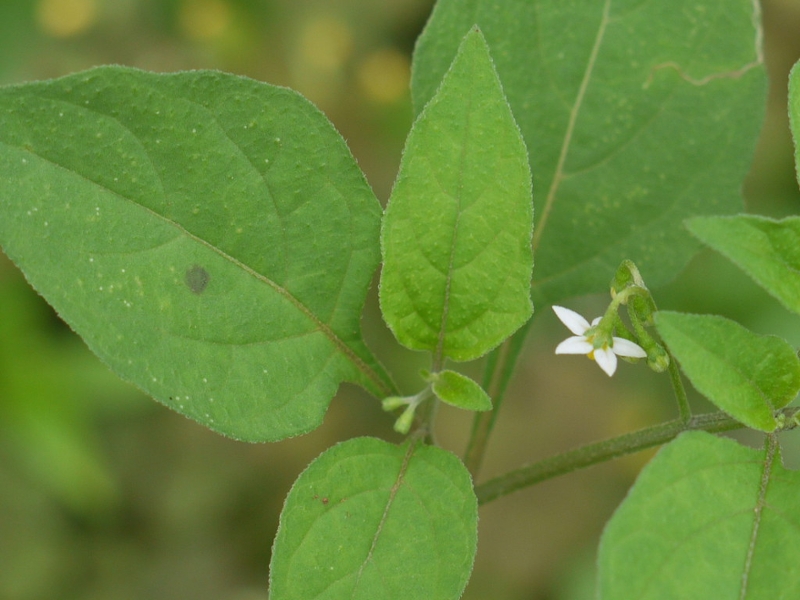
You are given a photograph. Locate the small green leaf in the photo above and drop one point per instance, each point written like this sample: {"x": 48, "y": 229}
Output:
{"x": 457, "y": 230}
{"x": 368, "y": 520}
{"x": 636, "y": 115}
{"x": 767, "y": 250}
{"x": 707, "y": 518}
{"x": 747, "y": 375}
{"x": 209, "y": 236}
{"x": 460, "y": 391}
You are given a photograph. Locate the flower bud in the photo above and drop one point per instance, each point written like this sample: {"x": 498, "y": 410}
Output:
{"x": 657, "y": 358}
{"x": 403, "y": 423}
{"x": 627, "y": 275}
{"x": 393, "y": 402}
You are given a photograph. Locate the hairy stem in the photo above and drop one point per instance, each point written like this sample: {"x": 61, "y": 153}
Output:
{"x": 483, "y": 422}
{"x": 497, "y": 374}
{"x": 684, "y": 411}
{"x": 598, "y": 452}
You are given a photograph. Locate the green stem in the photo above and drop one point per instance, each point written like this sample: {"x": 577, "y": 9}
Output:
{"x": 684, "y": 410}
{"x": 483, "y": 422}
{"x": 429, "y": 421}
{"x": 611, "y": 317}
{"x": 497, "y": 374}
{"x": 426, "y": 415}
{"x": 598, "y": 452}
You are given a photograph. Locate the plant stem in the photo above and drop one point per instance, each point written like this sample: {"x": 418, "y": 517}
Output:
{"x": 684, "y": 410}
{"x": 430, "y": 420}
{"x": 497, "y": 374}
{"x": 598, "y": 452}
{"x": 426, "y": 415}
{"x": 483, "y": 422}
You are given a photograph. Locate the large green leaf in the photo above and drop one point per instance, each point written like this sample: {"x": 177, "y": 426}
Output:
{"x": 767, "y": 250}
{"x": 707, "y": 518}
{"x": 747, "y": 375}
{"x": 372, "y": 521}
{"x": 636, "y": 115}
{"x": 209, "y": 236}
{"x": 456, "y": 234}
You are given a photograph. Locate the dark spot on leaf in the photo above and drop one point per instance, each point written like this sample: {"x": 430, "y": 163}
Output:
{"x": 197, "y": 279}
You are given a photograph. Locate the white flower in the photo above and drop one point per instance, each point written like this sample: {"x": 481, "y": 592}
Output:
{"x": 606, "y": 353}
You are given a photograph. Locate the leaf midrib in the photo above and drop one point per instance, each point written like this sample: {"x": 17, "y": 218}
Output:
{"x": 389, "y": 502}
{"x": 766, "y": 475}
{"x": 439, "y": 355}
{"x": 558, "y": 175}
{"x": 323, "y": 327}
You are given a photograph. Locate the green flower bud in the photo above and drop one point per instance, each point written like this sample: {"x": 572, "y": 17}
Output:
{"x": 627, "y": 275}
{"x": 657, "y": 358}
{"x": 393, "y": 402}
{"x": 403, "y": 423}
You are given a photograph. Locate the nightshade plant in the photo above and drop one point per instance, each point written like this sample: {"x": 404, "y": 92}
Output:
{"x": 213, "y": 240}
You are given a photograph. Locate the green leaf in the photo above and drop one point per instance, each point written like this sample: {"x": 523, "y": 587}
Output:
{"x": 460, "y": 391}
{"x": 371, "y": 521}
{"x": 707, "y": 518}
{"x": 747, "y": 375}
{"x": 767, "y": 250}
{"x": 794, "y": 113}
{"x": 209, "y": 236}
{"x": 457, "y": 230}
{"x": 636, "y": 116}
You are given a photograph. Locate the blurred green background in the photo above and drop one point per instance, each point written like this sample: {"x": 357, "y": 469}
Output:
{"x": 105, "y": 494}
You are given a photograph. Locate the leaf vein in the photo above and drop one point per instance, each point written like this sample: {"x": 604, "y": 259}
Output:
{"x": 392, "y": 494}
{"x": 322, "y": 326}
{"x": 573, "y": 118}
{"x": 769, "y": 459}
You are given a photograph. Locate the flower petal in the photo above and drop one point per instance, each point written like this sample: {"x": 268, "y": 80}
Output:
{"x": 574, "y": 322}
{"x": 624, "y": 347}
{"x": 606, "y": 359}
{"x": 574, "y": 345}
